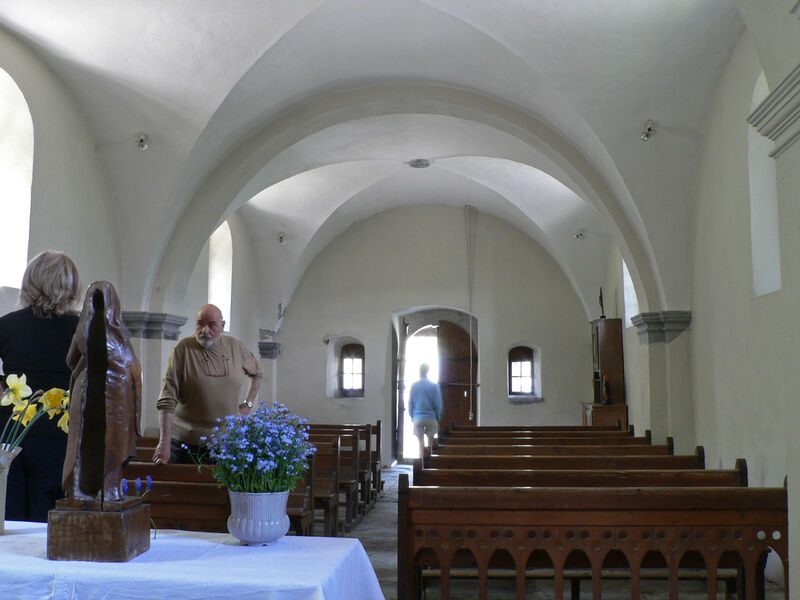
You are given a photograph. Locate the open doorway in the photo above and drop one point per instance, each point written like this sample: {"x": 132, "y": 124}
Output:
{"x": 442, "y": 337}
{"x": 421, "y": 347}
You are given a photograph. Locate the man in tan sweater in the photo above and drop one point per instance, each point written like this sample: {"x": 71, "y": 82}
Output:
{"x": 205, "y": 380}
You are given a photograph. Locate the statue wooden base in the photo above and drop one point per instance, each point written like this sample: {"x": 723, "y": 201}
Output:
{"x": 80, "y": 530}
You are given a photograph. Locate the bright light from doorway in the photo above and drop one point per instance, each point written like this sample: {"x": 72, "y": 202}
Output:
{"x": 419, "y": 349}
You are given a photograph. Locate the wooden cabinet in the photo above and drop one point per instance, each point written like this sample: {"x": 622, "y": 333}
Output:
{"x": 608, "y": 373}
{"x": 605, "y": 414}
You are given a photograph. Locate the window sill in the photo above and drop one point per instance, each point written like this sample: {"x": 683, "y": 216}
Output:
{"x": 348, "y": 397}
{"x": 525, "y": 399}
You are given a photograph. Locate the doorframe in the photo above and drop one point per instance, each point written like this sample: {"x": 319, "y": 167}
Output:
{"x": 406, "y": 323}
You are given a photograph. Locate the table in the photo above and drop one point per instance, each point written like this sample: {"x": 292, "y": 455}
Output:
{"x": 188, "y": 565}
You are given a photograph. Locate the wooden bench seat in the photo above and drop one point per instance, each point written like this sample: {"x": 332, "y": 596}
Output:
{"x": 489, "y": 439}
{"x": 326, "y": 485}
{"x": 188, "y": 497}
{"x": 522, "y": 432}
{"x": 362, "y": 456}
{"x": 554, "y": 450}
{"x": 375, "y": 461}
{"x": 736, "y": 477}
{"x": 534, "y": 428}
{"x": 438, "y": 461}
{"x": 554, "y": 530}
{"x": 347, "y": 472}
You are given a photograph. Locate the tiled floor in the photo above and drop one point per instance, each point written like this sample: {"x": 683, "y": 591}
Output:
{"x": 378, "y": 533}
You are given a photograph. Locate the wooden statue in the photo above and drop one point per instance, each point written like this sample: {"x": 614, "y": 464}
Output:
{"x": 95, "y": 521}
{"x": 105, "y": 399}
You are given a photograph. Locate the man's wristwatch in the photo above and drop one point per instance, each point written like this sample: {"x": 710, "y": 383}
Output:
{"x": 247, "y": 403}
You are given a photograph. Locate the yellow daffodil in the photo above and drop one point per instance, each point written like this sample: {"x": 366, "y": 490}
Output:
{"x": 17, "y": 390}
{"x": 24, "y": 414}
{"x": 53, "y": 401}
{"x": 63, "y": 422}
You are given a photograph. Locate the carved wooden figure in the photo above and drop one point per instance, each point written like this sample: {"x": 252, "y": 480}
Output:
{"x": 95, "y": 522}
{"x": 105, "y": 399}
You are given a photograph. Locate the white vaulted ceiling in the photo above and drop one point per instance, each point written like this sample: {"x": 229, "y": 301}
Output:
{"x": 209, "y": 78}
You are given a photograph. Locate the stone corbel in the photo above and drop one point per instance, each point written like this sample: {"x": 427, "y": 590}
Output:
{"x": 269, "y": 349}
{"x": 778, "y": 116}
{"x": 161, "y": 326}
{"x": 662, "y": 326}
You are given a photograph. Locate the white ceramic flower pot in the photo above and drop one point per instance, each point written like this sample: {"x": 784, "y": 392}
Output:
{"x": 258, "y": 518}
{"x": 5, "y": 464}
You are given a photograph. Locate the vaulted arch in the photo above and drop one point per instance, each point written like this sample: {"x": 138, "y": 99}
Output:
{"x": 255, "y": 163}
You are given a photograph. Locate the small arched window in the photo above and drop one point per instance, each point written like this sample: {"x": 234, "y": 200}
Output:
{"x": 16, "y": 175}
{"x": 520, "y": 371}
{"x": 765, "y": 246}
{"x": 629, "y": 292}
{"x": 351, "y": 370}
{"x": 220, "y": 271}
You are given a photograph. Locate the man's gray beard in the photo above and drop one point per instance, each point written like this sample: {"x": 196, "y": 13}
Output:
{"x": 205, "y": 342}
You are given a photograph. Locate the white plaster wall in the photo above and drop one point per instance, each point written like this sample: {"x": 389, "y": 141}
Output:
{"x": 246, "y": 278}
{"x": 416, "y": 256}
{"x": 739, "y": 344}
{"x": 71, "y": 205}
{"x": 789, "y": 361}
{"x": 197, "y": 290}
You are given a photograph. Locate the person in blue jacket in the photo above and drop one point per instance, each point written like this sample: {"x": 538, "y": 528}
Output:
{"x": 425, "y": 407}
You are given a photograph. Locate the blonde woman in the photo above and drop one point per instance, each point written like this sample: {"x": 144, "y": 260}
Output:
{"x": 34, "y": 340}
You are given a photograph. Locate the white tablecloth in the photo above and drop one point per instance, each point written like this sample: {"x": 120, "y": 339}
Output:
{"x": 190, "y": 565}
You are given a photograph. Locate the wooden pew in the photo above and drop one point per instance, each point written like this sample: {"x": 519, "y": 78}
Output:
{"x": 326, "y": 485}
{"x": 565, "y": 463}
{"x": 736, "y": 477}
{"x": 549, "y": 530}
{"x": 375, "y": 461}
{"x": 534, "y": 428}
{"x": 301, "y": 503}
{"x": 553, "y": 450}
{"x": 480, "y": 432}
{"x": 185, "y": 497}
{"x": 362, "y": 457}
{"x": 347, "y": 473}
{"x": 489, "y": 439}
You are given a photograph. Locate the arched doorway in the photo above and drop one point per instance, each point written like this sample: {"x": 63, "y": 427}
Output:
{"x": 441, "y": 337}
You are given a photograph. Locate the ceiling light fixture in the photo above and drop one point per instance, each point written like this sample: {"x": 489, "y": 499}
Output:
{"x": 580, "y": 234}
{"x": 648, "y": 131}
{"x": 142, "y": 141}
{"x": 419, "y": 163}
{"x": 282, "y": 238}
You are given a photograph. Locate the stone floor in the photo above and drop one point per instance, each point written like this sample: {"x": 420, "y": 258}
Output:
{"x": 378, "y": 534}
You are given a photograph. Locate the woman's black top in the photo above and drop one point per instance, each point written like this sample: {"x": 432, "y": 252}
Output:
{"x": 38, "y": 348}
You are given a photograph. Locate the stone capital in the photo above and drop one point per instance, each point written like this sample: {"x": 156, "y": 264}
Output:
{"x": 269, "y": 349}
{"x": 778, "y": 116}
{"x": 148, "y": 325}
{"x": 663, "y": 326}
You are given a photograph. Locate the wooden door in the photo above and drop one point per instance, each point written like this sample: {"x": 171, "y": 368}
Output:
{"x": 455, "y": 380}
{"x": 397, "y": 397}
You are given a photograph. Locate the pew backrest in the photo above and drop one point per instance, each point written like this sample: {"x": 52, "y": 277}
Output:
{"x": 554, "y": 450}
{"x": 437, "y": 461}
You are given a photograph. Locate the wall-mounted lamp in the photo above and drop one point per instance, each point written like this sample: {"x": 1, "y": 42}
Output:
{"x": 648, "y": 131}
{"x": 580, "y": 234}
{"x": 142, "y": 141}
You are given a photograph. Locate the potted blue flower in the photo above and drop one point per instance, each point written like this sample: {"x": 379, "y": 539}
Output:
{"x": 259, "y": 457}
